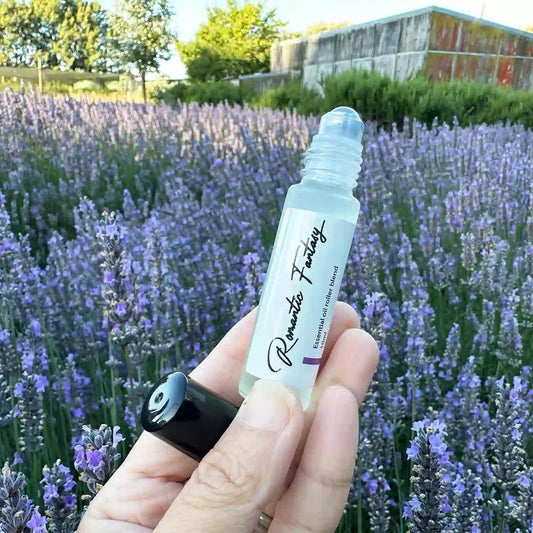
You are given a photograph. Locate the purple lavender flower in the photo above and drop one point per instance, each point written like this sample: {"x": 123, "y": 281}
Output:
{"x": 37, "y": 523}
{"x": 509, "y": 348}
{"x": 467, "y": 502}
{"x": 96, "y": 457}
{"x": 115, "y": 291}
{"x": 374, "y": 458}
{"x": 508, "y": 453}
{"x": 29, "y": 391}
{"x": 59, "y": 498}
{"x": 467, "y": 417}
{"x": 441, "y": 270}
{"x": 522, "y": 505}
{"x": 448, "y": 362}
{"x": 428, "y": 507}
{"x": 19, "y": 515}
{"x": 253, "y": 273}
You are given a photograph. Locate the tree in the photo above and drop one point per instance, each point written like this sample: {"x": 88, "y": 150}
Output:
{"x": 17, "y": 27}
{"x": 60, "y": 33}
{"x": 529, "y": 28}
{"x": 141, "y": 35}
{"x": 46, "y": 16}
{"x": 234, "y": 41}
{"x": 81, "y": 42}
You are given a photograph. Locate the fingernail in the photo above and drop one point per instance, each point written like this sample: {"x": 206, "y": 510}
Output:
{"x": 268, "y": 406}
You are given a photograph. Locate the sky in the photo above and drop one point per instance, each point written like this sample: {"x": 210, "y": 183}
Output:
{"x": 299, "y": 14}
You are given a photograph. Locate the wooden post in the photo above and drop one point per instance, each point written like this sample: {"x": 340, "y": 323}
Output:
{"x": 40, "y": 73}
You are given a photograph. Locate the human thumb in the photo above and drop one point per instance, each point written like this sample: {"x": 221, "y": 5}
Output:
{"x": 245, "y": 469}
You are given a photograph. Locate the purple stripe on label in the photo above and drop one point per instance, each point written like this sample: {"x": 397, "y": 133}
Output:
{"x": 312, "y": 360}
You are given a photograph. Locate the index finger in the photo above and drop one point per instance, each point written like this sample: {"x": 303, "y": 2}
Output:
{"x": 219, "y": 372}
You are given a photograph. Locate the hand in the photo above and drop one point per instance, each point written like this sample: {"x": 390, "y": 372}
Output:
{"x": 295, "y": 466}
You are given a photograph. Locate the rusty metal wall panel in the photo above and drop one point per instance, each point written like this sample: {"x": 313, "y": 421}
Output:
{"x": 523, "y": 78}
{"x": 524, "y": 47}
{"x": 478, "y": 38}
{"x": 438, "y": 67}
{"x": 415, "y": 33}
{"x": 475, "y": 67}
{"x": 444, "y": 32}
{"x": 505, "y": 72}
{"x": 508, "y": 45}
{"x": 387, "y": 37}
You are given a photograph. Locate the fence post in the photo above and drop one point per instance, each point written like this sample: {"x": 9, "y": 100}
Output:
{"x": 40, "y": 73}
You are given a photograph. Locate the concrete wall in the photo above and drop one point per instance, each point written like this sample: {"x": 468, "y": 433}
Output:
{"x": 396, "y": 47}
{"x": 263, "y": 81}
{"x": 440, "y": 43}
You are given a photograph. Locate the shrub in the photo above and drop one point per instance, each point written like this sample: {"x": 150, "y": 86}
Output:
{"x": 170, "y": 95}
{"x": 114, "y": 86}
{"x": 87, "y": 86}
{"x": 292, "y": 96}
{"x": 386, "y": 101}
{"x": 205, "y": 93}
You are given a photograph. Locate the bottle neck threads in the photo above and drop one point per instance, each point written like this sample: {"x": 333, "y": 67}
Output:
{"x": 334, "y": 157}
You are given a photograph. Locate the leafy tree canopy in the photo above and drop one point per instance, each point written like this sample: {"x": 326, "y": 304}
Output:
{"x": 235, "y": 40}
{"x": 141, "y": 35}
{"x": 70, "y": 34}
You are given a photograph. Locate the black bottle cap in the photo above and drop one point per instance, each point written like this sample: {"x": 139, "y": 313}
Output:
{"x": 186, "y": 415}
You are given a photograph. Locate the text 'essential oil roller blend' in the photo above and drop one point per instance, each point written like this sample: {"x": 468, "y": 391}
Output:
{"x": 310, "y": 252}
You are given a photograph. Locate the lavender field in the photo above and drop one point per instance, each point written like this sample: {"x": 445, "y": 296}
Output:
{"x": 132, "y": 237}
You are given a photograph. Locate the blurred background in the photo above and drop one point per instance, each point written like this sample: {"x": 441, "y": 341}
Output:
{"x": 217, "y": 50}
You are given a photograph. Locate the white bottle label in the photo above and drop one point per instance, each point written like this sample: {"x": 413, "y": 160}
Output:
{"x": 299, "y": 296}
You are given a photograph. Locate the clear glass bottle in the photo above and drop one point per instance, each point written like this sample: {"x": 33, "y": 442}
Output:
{"x": 308, "y": 259}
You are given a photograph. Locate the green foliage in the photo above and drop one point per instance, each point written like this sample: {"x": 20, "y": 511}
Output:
{"x": 61, "y": 33}
{"x": 114, "y": 86}
{"x": 386, "y": 101}
{"x": 141, "y": 35}
{"x": 82, "y": 88}
{"x": 292, "y": 96}
{"x": 377, "y": 98}
{"x": 205, "y": 93}
{"x": 234, "y": 41}
{"x": 16, "y": 31}
{"x": 87, "y": 85}
{"x": 81, "y": 35}
{"x": 318, "y": 27}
